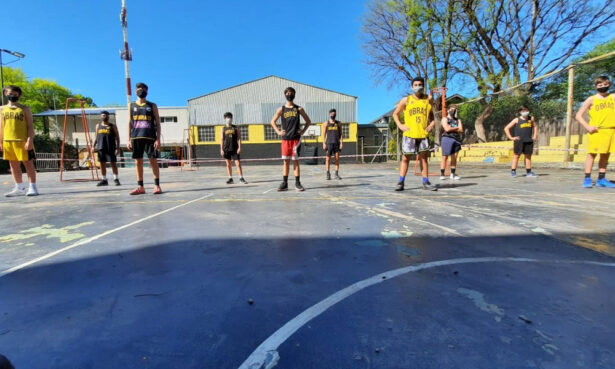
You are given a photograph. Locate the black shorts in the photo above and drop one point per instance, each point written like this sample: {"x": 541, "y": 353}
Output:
{"x": 231, "y": 155}
{"x": 332, "y": 149}
{"x": 142, "y": 145}
{"x": 525, "y": 148}
{"x": 106, "y": 157}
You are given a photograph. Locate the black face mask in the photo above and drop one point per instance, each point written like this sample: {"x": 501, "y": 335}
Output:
{"x": 603, "y": 89}
{"x": 332, "y": 117}
{"x": 452, "y": 112}
{"x": 290, "y": 97}
{"x": 105, "y": 119}
{"x": 141, "y": 93}
{"x": 12, "y": 98}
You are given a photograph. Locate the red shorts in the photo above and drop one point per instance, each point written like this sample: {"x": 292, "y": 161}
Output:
{"x": 290, "y": 149}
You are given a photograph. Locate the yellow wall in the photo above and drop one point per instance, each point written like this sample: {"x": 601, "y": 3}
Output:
{"x": 257, "y": 135}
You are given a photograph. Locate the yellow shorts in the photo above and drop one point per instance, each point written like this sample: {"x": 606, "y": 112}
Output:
{"x": 601, "y": 142}
{"x": 15, "y": 151}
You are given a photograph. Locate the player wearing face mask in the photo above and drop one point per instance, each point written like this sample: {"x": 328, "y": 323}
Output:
{"x": 451, "y": 141}
{"x": 17, "y": 141}
{"x": 107, "y": 145}
{"x": 230, "y": 148}
{"x": 333, "y": 143}
{"x": 144, "y": 133}
{"x": 418, "y": 122}
{"x": 600, "y": 129}
{"x": 525, "y": 133}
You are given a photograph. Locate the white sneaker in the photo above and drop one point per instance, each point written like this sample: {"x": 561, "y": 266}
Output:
{"x": 32, "y": 191}
{"x": 16, "y": 192}
{"x": 455, "y": 177}
{"x": 442, "y": 178}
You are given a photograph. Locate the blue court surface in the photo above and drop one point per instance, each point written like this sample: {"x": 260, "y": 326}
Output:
{"x": 487, "y": 272}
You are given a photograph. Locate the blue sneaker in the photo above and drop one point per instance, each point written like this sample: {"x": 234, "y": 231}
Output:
{"x": 587, "y": 183}
{"x": 531, "y": 175}
{"x": 513, "y": 174}
{"x": 604, "y": 183}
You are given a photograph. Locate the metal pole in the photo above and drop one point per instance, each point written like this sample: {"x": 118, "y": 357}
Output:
{"x": 569, "y": 113}
{"x": 126, "y": 56}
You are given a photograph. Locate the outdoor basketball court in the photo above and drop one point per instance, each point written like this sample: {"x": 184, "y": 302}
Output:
{"x": 487, "y": 272}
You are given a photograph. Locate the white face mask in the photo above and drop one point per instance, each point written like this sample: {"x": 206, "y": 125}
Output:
{"x": 525, "y": 114}
{"x": 228, "y": 120}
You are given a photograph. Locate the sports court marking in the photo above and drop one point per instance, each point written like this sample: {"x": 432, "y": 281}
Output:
{"x": 391, "y": 213}
{"x": 94, "y": 238}
{"x": 266, "y": 355}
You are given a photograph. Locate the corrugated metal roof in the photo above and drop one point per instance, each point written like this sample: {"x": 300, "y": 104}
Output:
{"x": 257, "y": 102}
{"x": 260, "y": 79}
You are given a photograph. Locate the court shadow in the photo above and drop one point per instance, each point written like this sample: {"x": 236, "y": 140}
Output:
{"x": 196, "y": 300}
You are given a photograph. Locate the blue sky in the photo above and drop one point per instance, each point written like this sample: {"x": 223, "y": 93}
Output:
{"x": 184, "y": 49}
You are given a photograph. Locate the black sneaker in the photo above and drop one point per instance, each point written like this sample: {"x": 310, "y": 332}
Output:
{"x": 230, "y": 181}
{"x": 283, "y": 186}
{"x": 299, "y": 187}
{"x": 428, "y": 186}
{"x": 117, "y": 182}
{"x": 102, "y": 183}
{"x": 400, "y": 186}
{"x": 243, "y": 180}
{"x": 328, "y": 176}
{"x": 337, "y": 176}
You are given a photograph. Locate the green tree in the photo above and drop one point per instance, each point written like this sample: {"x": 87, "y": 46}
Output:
{"x": 583, "y": 76}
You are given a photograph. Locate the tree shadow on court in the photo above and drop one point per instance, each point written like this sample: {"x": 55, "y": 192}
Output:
{"x": 209, "y": 302}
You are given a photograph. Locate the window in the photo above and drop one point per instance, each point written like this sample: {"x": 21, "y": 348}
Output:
{"x": 270, "y": 134}
{"x": 346, "y": 131}
{"x": 168, "y": 119}
{"x": 245, "y": 134}
{"x": 207, "y": 133}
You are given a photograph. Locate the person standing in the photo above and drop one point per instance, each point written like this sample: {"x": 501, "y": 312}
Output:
{"x": 17, "y": 141}
{"x": 144, "y": 133}
{"x": 230, "y": 148}
{"x": 333, "y": 143}
{"x": 291, "y": 132}
{"x": 107, "y": 145}
{"x": 525, "y": 133}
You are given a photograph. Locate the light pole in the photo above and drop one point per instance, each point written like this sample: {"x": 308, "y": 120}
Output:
{"x": 14, "y": 53}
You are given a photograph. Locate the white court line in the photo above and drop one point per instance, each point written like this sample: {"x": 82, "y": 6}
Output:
{"x": 269, "y": 190}
{"x": 266, "y": 355}
{"x": 94, "y": 238}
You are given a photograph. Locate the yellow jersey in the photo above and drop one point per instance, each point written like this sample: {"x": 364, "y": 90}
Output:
{"x": 416, "y": 116}
{"x": 14, "y": 123}
{"x": 602, "y": 112}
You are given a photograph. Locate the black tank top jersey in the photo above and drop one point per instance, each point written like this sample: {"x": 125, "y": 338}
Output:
{"x": 524, "y": 129}
{"x": 454, "y": 123}
{"x": 291, "y": 122}
{"x": 142, "y": 122}
{"x": 334, "y": 131}
{"x": 230, "y": 138}
{"x": 105, "y": 138}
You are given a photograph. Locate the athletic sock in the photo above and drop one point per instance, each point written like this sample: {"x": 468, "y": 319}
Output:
{"x": 601, "y": 175}
{"x": 513, "y": 170}
{"x": 442, "y": 172}
{"x": 528, "y": 170}
{"x": 453, "y": 171}
{"x": 588, "y": 175}
{"x": 21, "y": 186}
{"x": 336, "y": 172}
{"x": 425, "y": 180}
{"x": 297, "y": 179}
{"x": 285, "y": 179}
{"x": 157, "y": 181}
{"x": 32, "y": 186}
{"x": 115, "y": 176}
{"x": 402, "y": 179}
{"x": 140, "y": 183}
